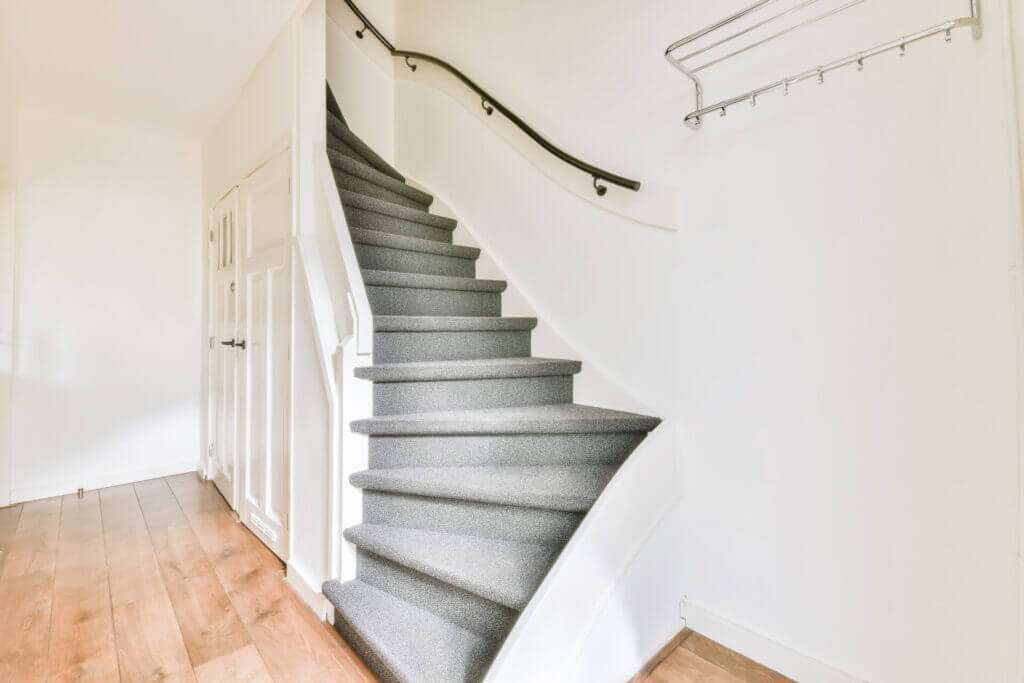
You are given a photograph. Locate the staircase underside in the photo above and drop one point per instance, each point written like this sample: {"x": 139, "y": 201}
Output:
{"x": 481, "y": 465}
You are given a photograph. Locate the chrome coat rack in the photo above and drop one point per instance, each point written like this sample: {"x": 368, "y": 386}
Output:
{"x": 683, "y": 59}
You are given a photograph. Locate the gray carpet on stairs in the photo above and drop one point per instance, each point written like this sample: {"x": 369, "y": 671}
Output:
{"x": 481, "y": 465}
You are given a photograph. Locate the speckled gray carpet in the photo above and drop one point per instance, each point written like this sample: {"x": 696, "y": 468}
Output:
{"x": 481, "y": 466}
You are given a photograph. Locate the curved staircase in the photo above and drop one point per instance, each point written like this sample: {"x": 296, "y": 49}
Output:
{"x": 481, "y": 466}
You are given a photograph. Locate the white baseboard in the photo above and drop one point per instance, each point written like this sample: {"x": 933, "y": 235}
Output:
{"x": 310, "y": 593}
{"x": 761, "y": 649}
{"x": 104, "y": 480}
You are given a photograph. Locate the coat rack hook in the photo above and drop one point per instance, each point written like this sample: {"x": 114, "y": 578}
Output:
{"x": 903, "y": 50}
{"x": 860, "y": 64}
{"x": 410, "y": 64}
{"x": 821, "y": 77}
{"x": 361, "y": 32}
{"x": 600, "y": 189}
{"x": 753, "y": 100}
{"x": 785, "y": 89}
{"x": 949, "y": 35}
{"x": 487, "y": 108}
{"x": 724, "y": 112}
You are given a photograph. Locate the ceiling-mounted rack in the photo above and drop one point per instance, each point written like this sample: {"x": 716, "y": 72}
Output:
{"x": 683, "y": 59}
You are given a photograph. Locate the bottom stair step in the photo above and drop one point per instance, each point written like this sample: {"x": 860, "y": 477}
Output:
{"x": 403, "y": 642}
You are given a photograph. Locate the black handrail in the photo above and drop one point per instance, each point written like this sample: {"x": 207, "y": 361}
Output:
{"x": 489, "y": 104}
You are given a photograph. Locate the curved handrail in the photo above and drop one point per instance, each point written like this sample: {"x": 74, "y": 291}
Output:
{"x": 489, "y": 104}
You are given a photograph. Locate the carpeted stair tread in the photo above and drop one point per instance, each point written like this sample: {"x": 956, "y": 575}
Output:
{"x": 415, "y": 644}
{"x": 388, "y": 240}
{"x": 337, "y": 128}
{"x": 389, "y": 278}
{"x": 564, "y": 418}
{"x": 488, "y": 368}
{"x": 481, "y": 468}
{"x": 570, "y": 488}
{"x": 360, "y": 169}
{"x": 386, "y": 208}
{"x": 332, "y": 105}
{"x": 447, "y": 323}
{"x": 505, "y": 572}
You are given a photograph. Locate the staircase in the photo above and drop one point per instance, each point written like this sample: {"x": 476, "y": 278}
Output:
{"x": 481, "y": 466}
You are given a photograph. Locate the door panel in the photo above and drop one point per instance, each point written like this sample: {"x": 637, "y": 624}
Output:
{"x": 266, "y": 294}
{"x": 225, "y": 367}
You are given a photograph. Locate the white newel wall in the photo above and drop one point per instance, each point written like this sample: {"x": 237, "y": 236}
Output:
{"x": 830, "y": 333}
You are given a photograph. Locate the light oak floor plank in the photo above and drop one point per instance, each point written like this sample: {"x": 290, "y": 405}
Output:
{"x": 131, "y": 560}
{"x": 241, "y": 665}
{"x": 26, "y": 592}
{"x": 293, "y": 643}
{"x": 9, "y": 517}
{"x": 150, "y": 645}
{"x": 743, "y": 668}
{"x": 82, "y": 642}
{"x": 691, "y": 657}
{"x": 683, "y": 665}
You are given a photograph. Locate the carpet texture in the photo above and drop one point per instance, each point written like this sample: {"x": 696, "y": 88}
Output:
{"x": 481, "y": 465}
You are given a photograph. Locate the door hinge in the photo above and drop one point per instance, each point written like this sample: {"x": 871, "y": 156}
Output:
{"x": 211, "y": 235}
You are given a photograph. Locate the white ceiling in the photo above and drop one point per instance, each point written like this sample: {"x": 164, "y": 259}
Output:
{"x": 172, "y": 63}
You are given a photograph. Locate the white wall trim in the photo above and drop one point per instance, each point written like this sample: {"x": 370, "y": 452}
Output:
{"x": 306, "y": 589}
{"x": 102, "y": 481}
{"x": 768, "y": 652}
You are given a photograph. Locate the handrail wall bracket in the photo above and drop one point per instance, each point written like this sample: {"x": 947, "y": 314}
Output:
{"x": 695, "y": 119}
{"x": 490, "y": 104}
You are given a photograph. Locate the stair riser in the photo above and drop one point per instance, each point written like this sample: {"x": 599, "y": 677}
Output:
{"x": 398, "y": 260}
{"x": 497, "y": 449}
{"x": 368, "y": 220}
{"x": 339, "y": 145}
{"x": 464, "y": 609}
{"x": 469, "y": 518}
{"x": 412, "y": 347}
{"x": 395, "y": 398}
{"x": 433, "y": 302}
{"x": 353, "y": 148}
{"x": 362, "y": 648}
{"x": 365, "y": 187}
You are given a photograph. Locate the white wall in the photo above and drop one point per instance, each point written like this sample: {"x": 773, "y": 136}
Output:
{"x": 7, "y": 280}
{"x": 6, "y": 262}
{"x": 106, "y": 374}
{"x": 831, "y": 334}
{"x": 258, "y": 123}
{"x": 361, "y": 76}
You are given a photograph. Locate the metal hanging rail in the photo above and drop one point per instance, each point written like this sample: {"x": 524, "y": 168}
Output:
{"x": 681, "y": 61}
{"x": 490, "y": 104}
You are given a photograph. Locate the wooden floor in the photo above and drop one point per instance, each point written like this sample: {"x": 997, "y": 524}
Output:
{"x": 155, "y": 581}
{"x": 158, "y": 581}
{"x": 691, "y": 657}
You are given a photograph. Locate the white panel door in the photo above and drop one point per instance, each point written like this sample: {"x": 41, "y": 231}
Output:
{"x": 225, "y": 355}
{"x": 267, "y": 324}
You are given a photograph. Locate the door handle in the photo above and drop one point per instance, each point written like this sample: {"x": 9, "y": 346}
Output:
{"x": 228, "y": 343}
{"x": 240, "y": 345}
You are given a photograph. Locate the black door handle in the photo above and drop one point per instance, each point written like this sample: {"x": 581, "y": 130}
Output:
{"x": 240, "y": 345}
{"x": 228, "y": 343}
